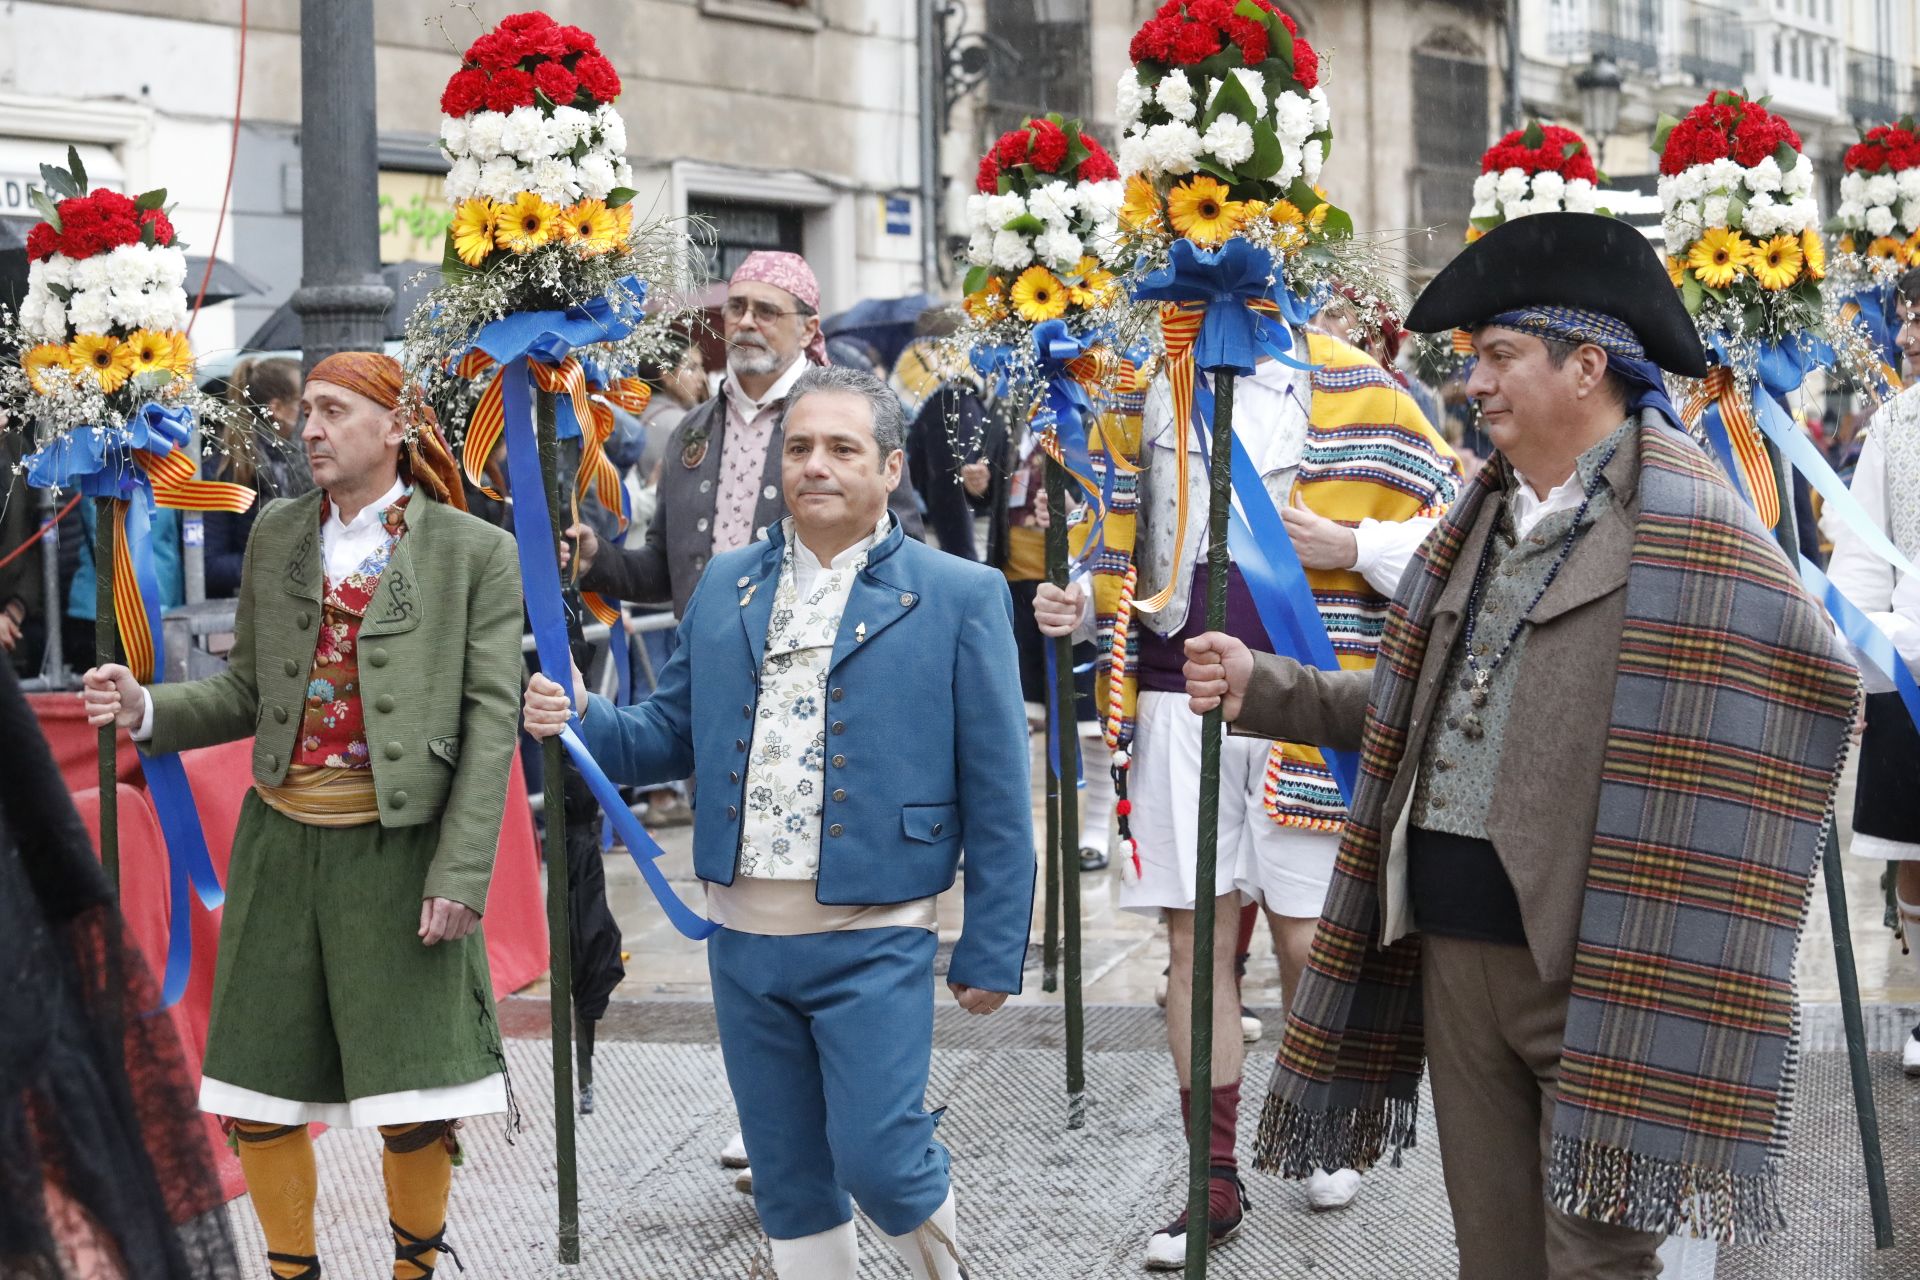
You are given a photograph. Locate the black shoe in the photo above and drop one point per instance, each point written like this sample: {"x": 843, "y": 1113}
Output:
{"x": 307, "y": 1260}
{"x": 1167, "y": 1250}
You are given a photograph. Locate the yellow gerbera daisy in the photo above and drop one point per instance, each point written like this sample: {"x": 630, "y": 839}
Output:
{"x": 108, "y": 359}
{"x": 1038, "y": 295}
{"x": 473, "y": 227}
{"x": 1814, "y": 250}
{"x": 1201, "y": 210}
{"x": 1141, "y": 208}
{"x": 988, "y": 304}
{"x": 1719, "y": 257}
{"x": 1286, "y": 213}
{"x": 1474, "y": 233}
{"x": 1776, "y": 264}
{"x": 154, "y": 351}
{"x": 1846, "y": 244}
{"x": 526, "y": 224}
{"x": 1884, "y": 247}
{"x": 590, "y": 227}
{"x": 1913, "y": 249}
{"x": 1676, "y": 270}
{"x": 49, "y": 367}
{"x": 1317, "y": 216}
{"x": 182, "y": 354}
{"x": 1090, "y": 286}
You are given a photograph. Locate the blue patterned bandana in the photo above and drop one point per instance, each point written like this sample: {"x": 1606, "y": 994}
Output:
{"x": 1574, "y": 324}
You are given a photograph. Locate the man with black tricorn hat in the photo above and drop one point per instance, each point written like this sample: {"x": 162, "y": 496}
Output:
{"x": 1604, "y": 732}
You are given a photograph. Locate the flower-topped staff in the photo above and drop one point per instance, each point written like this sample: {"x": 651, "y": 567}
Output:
{"x": 1878, "y": 223}
{"x": 1539, "y": 169}
{"x": 545, "y": 275}
{"x": 102, "y": 389}
{"x": 1743, "y": 249}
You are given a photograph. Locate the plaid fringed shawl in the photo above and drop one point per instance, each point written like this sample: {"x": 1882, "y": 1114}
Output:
{"x": 1729, "y": 726}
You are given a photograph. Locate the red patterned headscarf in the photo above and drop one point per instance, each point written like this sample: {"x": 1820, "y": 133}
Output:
{"x": 425, "y": 457}
{"x": 787, "y": 271}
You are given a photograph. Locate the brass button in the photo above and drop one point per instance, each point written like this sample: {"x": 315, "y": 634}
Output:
{"x": 398, "y": 800}
{"x": 280, "y": 715}
{"x": 306, "y": 620}
{"x": 839, "y": 726}
{"x": 838, "y": 694}
{"x": 839, "y": 762}
{"x": 836, "y": 829}
{"x": 906, "y": 598}
{"x": 1443, "y": 765}
{"x": 378, "y": 658}
{"x": 938, "y": 827}
{"x": 321, "y": 661}
{"x": 395, "y": 751}
{"x": 291, "y": 667}
{"x": 383, "y": 703}
{"x": 769, "y": 493}
{"x": 733, "y": 811}
{"x": 839, "y": 793}
{"x": 744, "y": 580}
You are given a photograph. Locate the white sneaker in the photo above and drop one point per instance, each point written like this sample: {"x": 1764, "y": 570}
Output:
{"x": 1329, "y": 1191}
{"x": 734, "y": 1154}
{"x": 1251, "y": 1028}
{"x": 1167, "y": 1251}
{"x": 1910, "y": 1054}
{"x": 743, "y": 1182}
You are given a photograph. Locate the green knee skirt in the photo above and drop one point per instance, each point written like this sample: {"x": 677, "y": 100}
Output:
{"x": 323, "y": 991}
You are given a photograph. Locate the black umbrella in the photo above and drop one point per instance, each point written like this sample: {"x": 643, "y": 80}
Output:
{"x": 887, "y": 323}
{"x": 410, "y": 282}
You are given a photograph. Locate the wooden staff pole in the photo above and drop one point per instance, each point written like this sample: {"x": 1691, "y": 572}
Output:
{"x": 1067, "y": 847}
{"x": 106, "y": 526}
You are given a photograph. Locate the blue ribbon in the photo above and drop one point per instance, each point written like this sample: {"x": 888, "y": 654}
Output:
{"x": 1869, "y": 640}
{"x": 548, "y": 336}
{"x": 1876, "y": 306}
{"x": 99, "y": 463}
{"x": 1263, "y": 552}
{"x": 1228, "y": 280}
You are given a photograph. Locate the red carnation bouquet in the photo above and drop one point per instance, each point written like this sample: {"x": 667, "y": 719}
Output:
{"x": 537, "y": 151}
{"x": 1880, "y": 199}
{"x": 1543, "y": 168}
{"x": 1043, "y": 225}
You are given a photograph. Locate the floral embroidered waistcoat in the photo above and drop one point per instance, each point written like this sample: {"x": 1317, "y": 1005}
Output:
{"x": 333, "y": 725}
{"x": 786, "y": 769}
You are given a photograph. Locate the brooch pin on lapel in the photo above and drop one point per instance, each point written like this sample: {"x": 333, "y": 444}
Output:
{"x": 860, "y": 633}
{"x": 747, "y": 598}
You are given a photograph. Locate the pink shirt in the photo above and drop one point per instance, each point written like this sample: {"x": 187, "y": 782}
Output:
{"x": 743, "y": 455}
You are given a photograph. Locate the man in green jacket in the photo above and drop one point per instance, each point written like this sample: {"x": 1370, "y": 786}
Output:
{"x": 376, "y": 662}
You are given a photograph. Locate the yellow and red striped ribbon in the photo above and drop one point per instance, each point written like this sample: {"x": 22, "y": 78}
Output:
{"x": 174, "y": 486}
{"x": 489, "y": 421}
{"x": 1756, "y": 469}
{"x": 1848, "y": 311}
{"x": 1462, "y": 342}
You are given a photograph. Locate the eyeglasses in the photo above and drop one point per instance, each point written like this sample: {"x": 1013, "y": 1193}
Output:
{"x": 763, "y": 312}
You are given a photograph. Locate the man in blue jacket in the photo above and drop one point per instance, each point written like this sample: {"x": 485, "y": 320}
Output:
{"x": 850, "y": 701}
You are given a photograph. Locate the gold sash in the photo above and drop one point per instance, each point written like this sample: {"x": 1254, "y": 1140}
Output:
{"x": 322, "y": 796}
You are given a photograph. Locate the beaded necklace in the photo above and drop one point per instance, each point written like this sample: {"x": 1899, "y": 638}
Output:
{"x": 1480, "y": 676}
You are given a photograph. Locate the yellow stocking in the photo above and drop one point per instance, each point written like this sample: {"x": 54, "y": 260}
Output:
{"x": 418, "y": 1164}
{"x": 278, "y": 1163}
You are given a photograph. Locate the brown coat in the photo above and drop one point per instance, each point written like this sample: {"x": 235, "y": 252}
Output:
{"x": 1547, "y": 793}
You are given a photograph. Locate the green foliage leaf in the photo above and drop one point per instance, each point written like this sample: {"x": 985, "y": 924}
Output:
{"x": 1230, "y": 98}
{"x": 78, "y": 170}
{"x": 1339, "y": 223}
{"x": 1662, "y": 127}
{"x": 1571, "y": 149}
{"x": 619, "y": 196}
{"x": 1254, "y": 13}
{"x": 1026, "y": 224}
{"x": 1785, "y": 156}
{"x": 147, "y": 234}
{"x": 57, "y": 181}
{"x": 1302, "y": 195}
{"x": 64, "y": 292}
{"x": 451, "y": 267}
{"x": 153, "y": 199}
{"x": 1693, "y": 294}
{"x": 1225, "y": 175}
{"x": 976, "y": 280}
{"x": 1268, "y": 154}
{"x": 1486, "y": 222}
{"x": 1534, "y": 137}
{"x": 46, "y": 208}
{"x": 1077, "y": 152}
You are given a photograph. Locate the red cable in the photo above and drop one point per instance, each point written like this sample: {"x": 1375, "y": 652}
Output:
{"x": 39, "y": 533}
{"x": 233, "y": 153}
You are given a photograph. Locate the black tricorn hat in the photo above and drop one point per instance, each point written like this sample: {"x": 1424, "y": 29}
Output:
{"x": 1585, "y": 260}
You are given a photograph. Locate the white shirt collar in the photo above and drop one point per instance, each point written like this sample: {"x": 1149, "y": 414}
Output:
{"x": 806, "y": 562}
{"x": 368, "y": 516}
{"x": 749, "y": 406}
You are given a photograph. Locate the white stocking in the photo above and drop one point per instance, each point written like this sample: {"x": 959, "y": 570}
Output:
{"x": 827, "y": 1255}
{"x": 1096, "y": 800}
{"x": 932, "y": 1249}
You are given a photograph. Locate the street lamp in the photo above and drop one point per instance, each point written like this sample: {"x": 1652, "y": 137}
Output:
{"x": 1600, "y": 83}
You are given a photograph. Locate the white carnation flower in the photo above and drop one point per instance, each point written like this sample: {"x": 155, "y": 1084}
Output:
{"x": 1713, "y": 211}
{"x": 1102, "y": 200}
{"x": 1059, "y": 248}
{"x": 168, "y": 267}
{"x": 1107, "y": 244}
{"x": 1880, "y": 220}
{"x": 1798, "y": 181}
{"x": 1256, "y": 86}
{"x": 164, "y": 310}
{"x": 1721, "y": 175}
{"x": 1910, "y": 214}
{"x": 91, "y": 310}
{"x": 1549, "y": 186}
{"x": 623, "y": 173}
{"x": 501, "y": 179}
{"x": 1054, "y": 203}
{"x": 129, "y": 267}
{"x": 555, "y": 179}
{"x": 596, "y": 175}
{"x": 1292, "y": 165}
{"x": 1132, "y": 97}
{"x": 1908, "y": 180}
{"x": 1801, "y": 214}
{"x": 612, "y": 127}
{"x": 980, "y": 248}
{"x": 526, "y": 135}
{"x": 1518, "y": 208}
{"x": 1010, "y": 250}
{"x": 569, "y": 126}
{"x": 1691, "y": 184}
{"x": 1765, "y": 176}
{"x": 91, "y": 273}
{"x": 55, "y": 270}
{"x": 1175, "y": 94}
{"x": 1312, "y": 156}
{"x": 483, "y": 134}
{"x": 1484, "y": 188}
{"x": 1322, "y": 113}
{"x": 1883, "y": 188}
{"x": 1581, "y": 196}
{"x": 1173, "y": 146}
{"x": 1488, "y": 210}
{"x": 999, "y": 210}
{"x": 1134, "y": 156}
{"x": 1850, "y": 212}
{"x": 463, "y": 179}
{"x": 1229, "y": 140}
{"x": 1853, "y": 186}
{"x": 1762, "y": 216}
{"x": 1512, "y": 184}
{"x": 1292, "y": 119}
{"x": 453, "y": 134}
